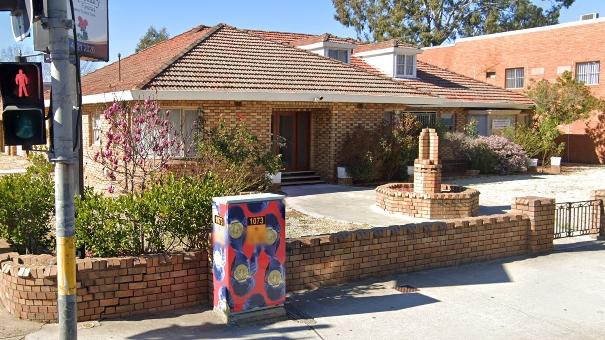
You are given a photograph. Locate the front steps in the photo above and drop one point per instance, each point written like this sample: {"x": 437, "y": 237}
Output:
{"x": 300, "y": 178}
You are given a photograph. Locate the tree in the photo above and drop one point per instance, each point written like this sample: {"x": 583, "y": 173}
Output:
{"x": 430, "y": 22}
{"x": 152, "y": 37}
{"x": 564, "y": 101}
{"x": 561, "y": 102}
{"x": 138, "y": 143}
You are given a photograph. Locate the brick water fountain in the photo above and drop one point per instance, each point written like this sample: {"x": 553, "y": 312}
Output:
{"x": 427, "y": 197}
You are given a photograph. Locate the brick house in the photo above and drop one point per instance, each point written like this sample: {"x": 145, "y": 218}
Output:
{"x": 312, "y": 90}
{"x": 514, "y": 59}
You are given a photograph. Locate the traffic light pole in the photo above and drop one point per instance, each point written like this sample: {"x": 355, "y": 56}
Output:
{"x": 63, "y": 87}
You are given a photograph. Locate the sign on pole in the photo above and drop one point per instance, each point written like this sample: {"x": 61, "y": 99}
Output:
{"x": 92, "y": 30}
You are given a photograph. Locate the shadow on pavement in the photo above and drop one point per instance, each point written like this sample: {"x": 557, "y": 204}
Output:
{"x": 318, "y": 189}
{"x": 352, "y": 299}
{"x": 218, "y": 331}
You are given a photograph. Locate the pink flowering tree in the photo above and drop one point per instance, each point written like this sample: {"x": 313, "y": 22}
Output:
{"x": 138, "y": 142}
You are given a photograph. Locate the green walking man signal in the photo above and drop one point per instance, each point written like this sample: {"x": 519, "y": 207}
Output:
{"x": 22, "y": 104}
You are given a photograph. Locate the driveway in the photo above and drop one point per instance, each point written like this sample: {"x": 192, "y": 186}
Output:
{"x": 357, "y": 204}
{"x": 556, "y": 296}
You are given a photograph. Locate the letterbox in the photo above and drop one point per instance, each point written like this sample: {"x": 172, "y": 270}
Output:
{"x": 249, "y": 254}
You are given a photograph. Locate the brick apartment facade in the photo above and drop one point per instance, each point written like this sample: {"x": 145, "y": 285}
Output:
{"x": 287, "y": 84}
{"x": 538, "y": 53}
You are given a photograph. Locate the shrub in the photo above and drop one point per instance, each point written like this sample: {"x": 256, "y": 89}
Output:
{"x": 482, "y": 158}
{"x": 511, "y": 157}
{"x": 540, "y": 141}
{"x": 236, "y": 156}
{"x": 26, "y": 209}
{"x": 382, "y": 153}
{"x": 456, "y": 146}
{"x": 359, "y": 154}
{"x": 172, "y": 213}
{"x": 471, "y": 129}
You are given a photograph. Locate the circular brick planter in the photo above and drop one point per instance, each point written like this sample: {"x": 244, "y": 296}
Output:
{"x": 453, "y": 201}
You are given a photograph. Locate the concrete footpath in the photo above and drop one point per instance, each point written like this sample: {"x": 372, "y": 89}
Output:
{"x": 555, "y": 296}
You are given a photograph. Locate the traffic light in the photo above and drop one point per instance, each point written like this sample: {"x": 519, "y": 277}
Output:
{"x": 22, "y": 103}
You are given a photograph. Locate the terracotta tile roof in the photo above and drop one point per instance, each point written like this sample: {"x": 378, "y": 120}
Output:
{"x": 447, "y": 84}
{"x": 282, "y": 37}
{"x": 322, "y": 38}
{"x": 140, "y": 67}
{"x": 230, "y": 59}
{"x": 383, "y": 44}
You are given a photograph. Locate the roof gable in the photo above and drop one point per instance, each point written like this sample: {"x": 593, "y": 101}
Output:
{"x": 138, "y": 68}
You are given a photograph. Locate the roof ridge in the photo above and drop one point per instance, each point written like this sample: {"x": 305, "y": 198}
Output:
{"x": 178, "y": 56}
{"x": 340, "y": 63}
{"x": 470, "y": 78}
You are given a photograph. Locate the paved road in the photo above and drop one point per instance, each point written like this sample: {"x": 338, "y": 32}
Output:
{"x": 356, "y": 204}
{"x": 556, "y": 296}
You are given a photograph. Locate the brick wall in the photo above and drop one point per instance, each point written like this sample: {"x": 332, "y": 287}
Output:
{"x": 540, "y": 58}
{"x": 331, "y": 123}
{"x": 542, "y": 210}
{"x": 600, "y": 195}
{"x": 345, "y": 256}
{"x": 107, "y": 288}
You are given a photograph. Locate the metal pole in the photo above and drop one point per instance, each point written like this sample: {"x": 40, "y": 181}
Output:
{"x": 63, "y": 85}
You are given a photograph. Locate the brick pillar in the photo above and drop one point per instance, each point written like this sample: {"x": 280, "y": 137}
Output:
{"x": 541, "y": 212}
{"x": 600, "y": 214}
{"x": 427, "y": 170}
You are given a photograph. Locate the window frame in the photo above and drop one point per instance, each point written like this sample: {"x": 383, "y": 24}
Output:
{"x": 339, "y": 50}
{"x": 412, "y": 68}
{"x": 96, "y": 118}
{"x": 588, "y": 75}
{"x": 515, "y": 78}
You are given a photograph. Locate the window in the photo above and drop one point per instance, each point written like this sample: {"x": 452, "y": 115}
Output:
{"x": 490, "y": 75}
{"x": 447, "y": 120}
{"x": 342, "y": 55}
{"x": 96, "y": 129}
{"x": 514, "y": 78}
{"x": 405, "y": 65}
{"x": 588, "y": 73}
{"x": 184, "y": 122}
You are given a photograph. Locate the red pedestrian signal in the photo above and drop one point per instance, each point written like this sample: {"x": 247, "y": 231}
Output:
{"x": 22, "y": 81}
{"x": 22, "y": 104}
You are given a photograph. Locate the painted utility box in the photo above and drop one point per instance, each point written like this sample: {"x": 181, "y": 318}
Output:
{"x": 249, "y": 255}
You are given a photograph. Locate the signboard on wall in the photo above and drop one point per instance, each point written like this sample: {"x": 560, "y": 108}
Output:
{"x": 501, "y": 123}
{"x": 92, "y": 30}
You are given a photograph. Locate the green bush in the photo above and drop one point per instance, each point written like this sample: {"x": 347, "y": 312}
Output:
{"x": 237, "y": 157}
{"x": 483, "y": 158}
{"x": 26, "y": 208}
{"x": 172, "y": 213}
{"x": 382, "y": 153}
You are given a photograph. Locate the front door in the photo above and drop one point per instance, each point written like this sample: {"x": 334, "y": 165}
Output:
{"x": 294, "y": 129}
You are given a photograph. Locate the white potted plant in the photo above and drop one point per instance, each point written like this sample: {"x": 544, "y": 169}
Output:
{"x": 342, "y": 172}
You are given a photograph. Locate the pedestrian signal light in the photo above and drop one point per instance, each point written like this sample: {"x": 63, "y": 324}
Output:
{"x": 22, "y": 104}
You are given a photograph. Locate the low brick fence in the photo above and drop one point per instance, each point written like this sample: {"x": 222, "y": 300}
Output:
{"x": 346, "y": 256}
{"x": 107, "y": 288}
{"x": 118, "y": 287}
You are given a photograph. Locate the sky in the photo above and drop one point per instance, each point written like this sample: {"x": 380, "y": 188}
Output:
{"x": 129, "y": 19}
